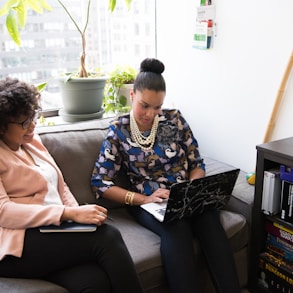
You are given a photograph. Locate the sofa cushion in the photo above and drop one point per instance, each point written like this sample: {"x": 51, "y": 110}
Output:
{"x": 243, "y": 193}
{"x": 82, "y": 141}
{"x": 13, "y": 285}
{"x": 144, "y": 246}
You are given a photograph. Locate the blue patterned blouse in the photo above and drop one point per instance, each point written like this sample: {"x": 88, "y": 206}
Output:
{"x": 174, "y": 155}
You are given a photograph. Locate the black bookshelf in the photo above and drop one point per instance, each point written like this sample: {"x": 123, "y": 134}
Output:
{"x": 269, "y": 155}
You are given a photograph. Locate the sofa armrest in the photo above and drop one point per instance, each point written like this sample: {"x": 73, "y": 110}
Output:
{"x": 243, "y": 193}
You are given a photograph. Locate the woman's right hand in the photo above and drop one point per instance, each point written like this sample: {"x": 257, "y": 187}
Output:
{"x": 159, "y": 195}
{"x": 85, "y": 214}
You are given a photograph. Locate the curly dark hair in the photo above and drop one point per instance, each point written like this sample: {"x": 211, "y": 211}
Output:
{"x": 150, "y": 76}
{"x": 17, "y": 98}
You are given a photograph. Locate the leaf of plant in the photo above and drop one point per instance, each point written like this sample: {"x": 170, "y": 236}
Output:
{"x": 128, "y": 3}
{"x": 41, "y": 86}
{"x": 12, "y": 28}
{"x": 21, "y": 10}
{"x": 36, "y": 5}
{"x": 7, "y": 6}
{"x": 45, "y": 5}
{"x": 112, "y": 5}
{"x": 108, "y": 108}
{"x": 68, "y": 77}
{"x": 123, "y": 100}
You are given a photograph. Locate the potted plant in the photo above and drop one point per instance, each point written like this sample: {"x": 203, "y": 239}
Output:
{"x": 82, "y": 92}
{"x": 116, "y": 93}
{"x": 16, "y": 12}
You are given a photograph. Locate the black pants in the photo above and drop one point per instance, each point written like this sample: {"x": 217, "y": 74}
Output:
{"x": 81, "y": 262}
{"x": 178, "y": 256}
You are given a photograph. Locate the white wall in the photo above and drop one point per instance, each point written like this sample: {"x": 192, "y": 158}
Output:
{"x": 227, "y": 94}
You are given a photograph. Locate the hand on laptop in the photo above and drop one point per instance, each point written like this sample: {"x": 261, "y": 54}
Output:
{"x": 159, "y": 195}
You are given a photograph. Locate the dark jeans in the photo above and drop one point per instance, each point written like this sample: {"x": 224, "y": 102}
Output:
{"x": 81, "y": 262}
{"x": 178, "y": 256}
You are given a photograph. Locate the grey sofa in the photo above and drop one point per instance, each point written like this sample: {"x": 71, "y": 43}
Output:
{"x": 75, "y": 148}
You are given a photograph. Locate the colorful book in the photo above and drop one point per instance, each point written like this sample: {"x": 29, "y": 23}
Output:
{"x": 275, "y": 274}
{"x": 279, "y": 231}
{"x": 279, "y": 248}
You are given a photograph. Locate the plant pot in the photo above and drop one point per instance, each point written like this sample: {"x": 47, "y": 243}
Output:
{"x": 82, "y": 97}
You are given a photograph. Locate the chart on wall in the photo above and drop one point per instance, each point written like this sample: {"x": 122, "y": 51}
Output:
{"x": 205, "y": 26}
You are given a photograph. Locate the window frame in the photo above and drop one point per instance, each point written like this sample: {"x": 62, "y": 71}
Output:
{"x": 25, "y": 51}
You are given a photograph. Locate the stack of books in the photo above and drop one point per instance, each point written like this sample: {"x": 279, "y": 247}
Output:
{"x": 276, "y": 262}
{"x": 277, "y": 195}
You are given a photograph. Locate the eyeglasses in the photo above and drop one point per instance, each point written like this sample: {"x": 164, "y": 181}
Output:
{"x": 27, "y": 122}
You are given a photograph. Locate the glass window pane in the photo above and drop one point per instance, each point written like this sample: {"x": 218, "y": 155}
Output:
{"x": 51, "y": 44}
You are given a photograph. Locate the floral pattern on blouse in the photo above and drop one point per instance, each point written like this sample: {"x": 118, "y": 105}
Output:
{"x": 174, "y": 155}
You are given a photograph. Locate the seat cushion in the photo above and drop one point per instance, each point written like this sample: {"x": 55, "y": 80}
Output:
{"x": 243, "y": 193}
{"x": 75, "y": 148}
{"x": 12, "y": 285}
{"x": 144, "y": 245}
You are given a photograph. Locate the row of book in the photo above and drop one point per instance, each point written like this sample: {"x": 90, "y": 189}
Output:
{"x": 277, "y": 196}
{"x": 276, "y": 262}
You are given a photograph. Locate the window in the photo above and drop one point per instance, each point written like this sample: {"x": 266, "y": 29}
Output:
{"x": 51, "y": 43}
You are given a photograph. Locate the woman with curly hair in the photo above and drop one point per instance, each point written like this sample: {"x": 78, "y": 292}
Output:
{"x": 32, "y": 194}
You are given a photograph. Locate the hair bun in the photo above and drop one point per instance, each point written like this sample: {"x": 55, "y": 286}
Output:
{"x": 152, "y": 65}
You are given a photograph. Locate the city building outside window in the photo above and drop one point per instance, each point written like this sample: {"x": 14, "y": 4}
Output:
{"x": 51, "y": 44}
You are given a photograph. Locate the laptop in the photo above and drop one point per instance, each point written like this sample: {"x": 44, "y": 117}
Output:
{"x": 190, "y": 198}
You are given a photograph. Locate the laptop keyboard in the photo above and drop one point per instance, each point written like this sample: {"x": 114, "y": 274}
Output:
{"x": 161, "y": 211}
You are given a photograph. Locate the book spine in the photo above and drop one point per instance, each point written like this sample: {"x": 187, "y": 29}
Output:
{"x": 275, "y": 275}
{"x": 271, "y": 197}
{"x": 290, "y": 203}
{"x": 279, "y": 231}
{"x": 287, "y": 202}
{"x": 279, "y": 248}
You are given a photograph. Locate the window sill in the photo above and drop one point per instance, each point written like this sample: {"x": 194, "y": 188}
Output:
{"x": 58, "y": 120}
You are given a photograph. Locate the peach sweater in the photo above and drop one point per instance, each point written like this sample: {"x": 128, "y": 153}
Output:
{"x": 22, "y": 193}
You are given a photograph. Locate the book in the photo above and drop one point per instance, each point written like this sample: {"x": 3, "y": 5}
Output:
{"x": 68, "y": 226}
{"x": 279, "y": 231}
{"x": 271, "y": 196}
{"x": 274, "y": 274}
{"x": 279, "y": 248}
{"x": 287, "y": 201}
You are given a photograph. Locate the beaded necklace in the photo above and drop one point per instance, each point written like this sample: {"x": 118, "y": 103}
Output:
{"x": 146, "y": 143}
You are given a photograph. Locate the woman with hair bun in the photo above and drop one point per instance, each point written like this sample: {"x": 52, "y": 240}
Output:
{"x": 156, "y": 148}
